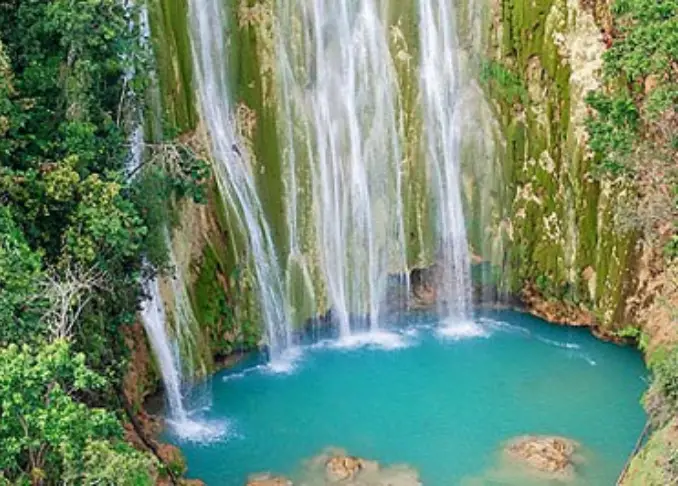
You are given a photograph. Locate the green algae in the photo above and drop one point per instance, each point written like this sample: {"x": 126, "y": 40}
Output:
{"x": 173, "y": 62}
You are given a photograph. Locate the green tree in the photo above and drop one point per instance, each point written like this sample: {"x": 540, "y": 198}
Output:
{"x": 20, "y": 272}
{"x": 106, "y": 463}
{"x": 45, "y": 430}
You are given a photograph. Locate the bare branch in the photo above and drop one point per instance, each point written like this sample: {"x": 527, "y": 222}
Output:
{"x": 68, "y": 292}
{"x": 172, "y": 155}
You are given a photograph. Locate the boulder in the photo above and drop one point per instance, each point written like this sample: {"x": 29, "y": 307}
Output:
{"x": 547, "y": 454}
{"x": 336, "y": 466}
{"x": 343, "y": 467}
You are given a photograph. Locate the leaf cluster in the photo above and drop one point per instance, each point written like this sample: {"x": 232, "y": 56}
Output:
{"x": 45, "y": 429}
{"x": 634, "y": 115}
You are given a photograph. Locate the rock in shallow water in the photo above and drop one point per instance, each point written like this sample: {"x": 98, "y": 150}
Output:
{"x": 546, "y": 454}
{"x": 335, "y": 467}
{"x": 342, "y": 467}
{"x": 266, "y": 479}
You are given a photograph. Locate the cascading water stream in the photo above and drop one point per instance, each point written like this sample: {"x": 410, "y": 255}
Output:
{"x": 184, "y": 422}
{"x": 232, "y": 167}
{"x": 186, "y": 326}
{"x": 337, "y": 82}
{"x": 167, "y": 351}
{"x": 441, "y": 88}
{"x": 154, "y": 319}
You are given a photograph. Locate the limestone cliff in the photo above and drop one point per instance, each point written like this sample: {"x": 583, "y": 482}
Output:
{"x": 565, "y": 245}
{"x": 535, "y": 208}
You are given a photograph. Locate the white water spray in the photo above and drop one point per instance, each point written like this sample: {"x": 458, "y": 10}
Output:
{"x": 185, "y": 423}
{"x": 232, "y": 166}
{"x": 154, "y": 319}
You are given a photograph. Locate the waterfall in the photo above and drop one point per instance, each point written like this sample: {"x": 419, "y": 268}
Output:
{"x": 441, "y": 88}
{"x": 154, "y": 320}
{"x": 153, "y": 309}
{"x": 186, "y": 327}
{"x": 232, "y": 167}
{"x": 337, "y": 86}
{"x": 136, "y": 137}
{"x": 185, "y": 423}
{"x": 168, "y": 352}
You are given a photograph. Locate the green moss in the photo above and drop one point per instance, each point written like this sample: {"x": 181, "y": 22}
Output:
{"x": 249, "y": 85}
{"x": 172, "y": 48}
{"x": 561, "y": 224}
{"x": 219, "y": 309}
{"x": 653, "y": 465}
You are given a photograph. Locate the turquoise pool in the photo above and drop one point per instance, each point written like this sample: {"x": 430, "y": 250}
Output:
{"x": 440, "y": 404}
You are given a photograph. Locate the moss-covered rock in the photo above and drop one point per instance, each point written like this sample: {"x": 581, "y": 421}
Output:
{"x": 657, "y": 463}
{"x": 564, "y": 240}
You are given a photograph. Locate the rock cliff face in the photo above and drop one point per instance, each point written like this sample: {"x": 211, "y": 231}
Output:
{"x": 536, "y": 213}
{"x": 565, "y": 245}
{"x": 534, "y": 207}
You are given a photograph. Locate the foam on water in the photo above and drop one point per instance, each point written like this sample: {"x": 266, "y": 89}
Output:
{"x": 412, "y": 331}
{"x": 558, "y": 344}
{"x": 502, "y": 326}
{"x": 573, "y": 348}
{"x": 286, "y": 363}
{"x": 457, "y": 330}
{"x": 376, "y": 339}
{"x": 238, "y": 376}
{"x": 199, "y": 431}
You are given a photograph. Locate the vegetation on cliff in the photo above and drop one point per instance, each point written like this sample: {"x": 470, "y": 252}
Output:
{"x": 635, "y": 115}
{"x": 587, "y": 95}
{"x": 632, "y": 128}
{"x": 75, "y": 229}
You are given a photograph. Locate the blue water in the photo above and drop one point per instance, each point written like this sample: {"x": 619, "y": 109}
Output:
{"x": 442, "y": 406}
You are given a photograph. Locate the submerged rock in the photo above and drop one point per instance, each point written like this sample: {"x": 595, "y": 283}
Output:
{"x": 552, "y": 455}
{"x": 342, "y": 467}
{"x": 267, "y": 479}
{"x": 335, "y": 466}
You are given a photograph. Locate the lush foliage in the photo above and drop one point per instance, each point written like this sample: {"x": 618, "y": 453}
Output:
{"x": 44, "y": 430}
{"x": 20, "y": 270}
{"x": 79, "y": 217}
{"x": 634, "y": 124}
{"x": 503, "y": 83}
{"x": 664, "y": 366}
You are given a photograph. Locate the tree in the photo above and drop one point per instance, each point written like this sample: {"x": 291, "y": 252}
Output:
{"x": 20, "y": 272}
{"x": 67, "y": 293}
{"x": 45, "y": 430}
{"x": 106, "y": 463}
